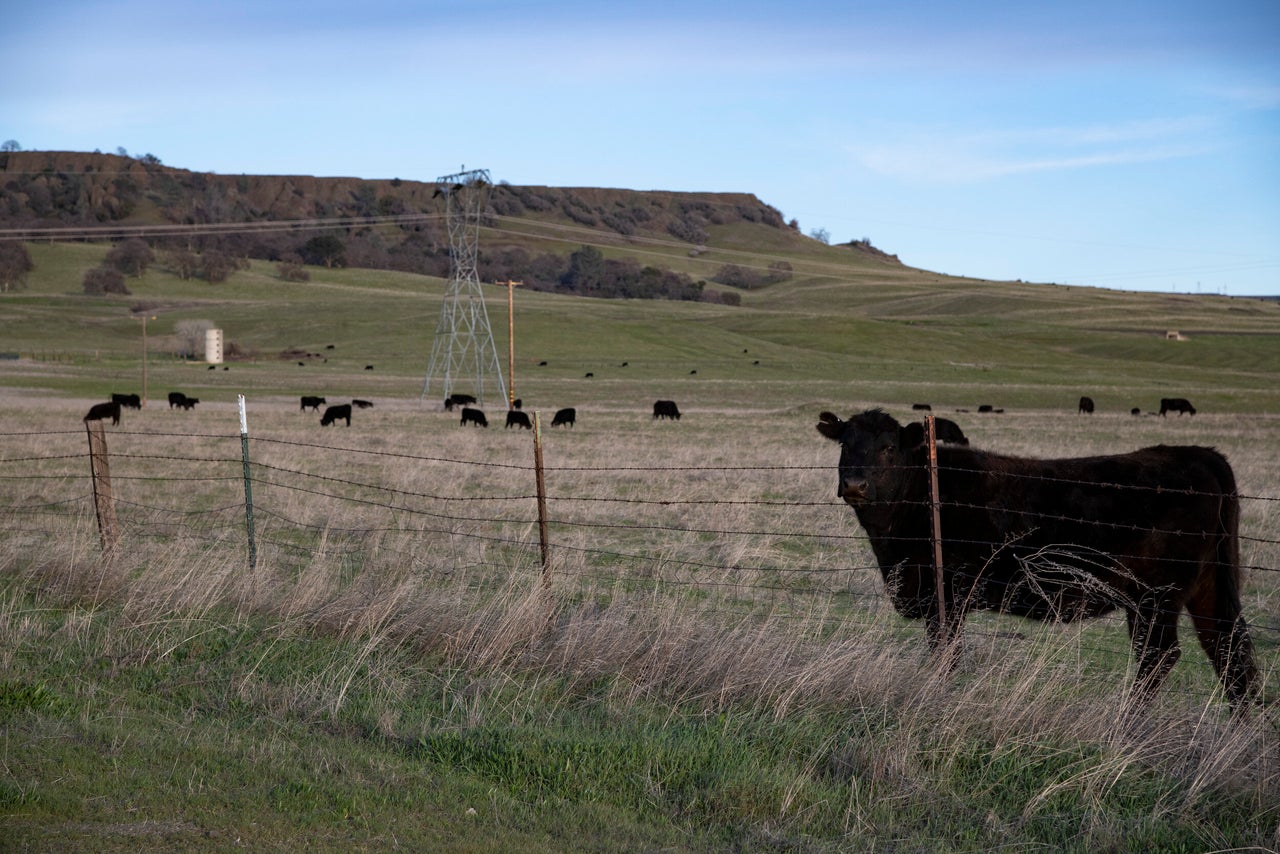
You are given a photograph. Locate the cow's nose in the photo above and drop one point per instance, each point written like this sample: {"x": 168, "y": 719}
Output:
{"x": 853, "y": 490}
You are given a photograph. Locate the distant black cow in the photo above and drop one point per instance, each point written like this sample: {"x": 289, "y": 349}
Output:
{"x": 176, "y": 398}
{"x": 946, "y": 430}
{"x": 474, "y": 416}
{"x": 333, "y": 413}
{"x": 922, "y": 407}
{"x": 1086, "y": 405}
{"x": 986, "y": 407}
{"x": 312, "y": 403}
{"x": 1135, "y": 411}
{"x": 568, "y": 415}
{"x": 361, "y": 404}
{"x": 666, "y": 409}
{"x": 100, "y": 411}
{"x": 1150, "y": 532}
{"x": 457, "y": 400}
{"x": 1176, "y": 404}
{"x": 189, "y": 403}
{"x": 129, "y": 401}
{"x": 516, "y": 418}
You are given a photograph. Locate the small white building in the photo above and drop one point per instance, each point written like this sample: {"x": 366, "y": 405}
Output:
{"x": 213, "y": 346}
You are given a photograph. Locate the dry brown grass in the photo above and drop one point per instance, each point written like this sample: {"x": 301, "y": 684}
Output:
{"x": 701, "y": 564}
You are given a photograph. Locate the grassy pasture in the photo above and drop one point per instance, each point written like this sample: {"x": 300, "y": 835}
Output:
{"x": 714, "y": 665}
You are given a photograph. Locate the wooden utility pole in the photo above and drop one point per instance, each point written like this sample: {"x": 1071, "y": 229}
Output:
{"x": 511, "y": 341}
{"x": 144, "y": 318}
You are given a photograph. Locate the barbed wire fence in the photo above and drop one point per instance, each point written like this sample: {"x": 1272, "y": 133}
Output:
{"x": 731, "y": 537}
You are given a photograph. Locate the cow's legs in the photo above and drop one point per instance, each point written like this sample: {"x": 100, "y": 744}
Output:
{"x": 1225, "y": 637}
{"x": 1153, "y": 631}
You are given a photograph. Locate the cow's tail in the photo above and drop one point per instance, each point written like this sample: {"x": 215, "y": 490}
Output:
{"x": 1241, "y": 676}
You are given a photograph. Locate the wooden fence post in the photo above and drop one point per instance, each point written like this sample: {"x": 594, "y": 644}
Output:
{"x": 935, "y": 529}
{"x": 542, "y": 501}
{"x": 104, "y": 504}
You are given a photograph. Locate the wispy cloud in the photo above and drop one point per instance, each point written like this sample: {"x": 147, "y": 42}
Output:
{"x": 939, "y": 156}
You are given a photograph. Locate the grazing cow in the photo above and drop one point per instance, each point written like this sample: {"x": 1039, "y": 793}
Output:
{"x": 946, "y": 430}
{"x": 312, "y": 403}
{"x": 1176, "y": 404}
{"x": 189, "y": 403}
{"x": 516, "y": 418}
{"x": 475, "y": 416}
{"x": 457, "y": 400}
{"x": 99, "y": 411}
{"x": 921, "y": 407}
{"x": 986, "y": 407}
{"x": 1150, "y": 532}
{"x": 176, "y": 398}
{"x": 1086, "y": 406}
{"x": 368, "y": 367}
{"x": 568, "y": 415}
{"x": 588, "y": 375}
{"x": 666, "y": 409}
{"x": 129, "y": 401}
{"x": 1135, "y": 411}
{"x": 361, "y": 404}
{"x": 333, "y": 413}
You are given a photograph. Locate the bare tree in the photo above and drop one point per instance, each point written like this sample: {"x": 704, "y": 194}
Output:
{"x": 15, "y": 263}
{"x": 191, "y": 335}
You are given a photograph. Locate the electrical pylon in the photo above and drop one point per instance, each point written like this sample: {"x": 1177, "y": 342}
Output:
{"x": 463, "y": 348}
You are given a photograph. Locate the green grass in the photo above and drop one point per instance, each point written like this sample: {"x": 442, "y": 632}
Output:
{"x": 220, "y": 733}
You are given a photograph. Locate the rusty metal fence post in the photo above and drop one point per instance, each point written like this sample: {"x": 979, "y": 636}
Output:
{"x": 540, "y": 478}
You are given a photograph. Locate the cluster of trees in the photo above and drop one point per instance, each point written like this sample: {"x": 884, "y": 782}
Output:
{"x": 747, "y": 278}
{"x": 588, "y": 273}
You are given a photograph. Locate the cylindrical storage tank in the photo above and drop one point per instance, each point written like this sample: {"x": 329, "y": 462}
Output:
{"x": 213, "y": 346}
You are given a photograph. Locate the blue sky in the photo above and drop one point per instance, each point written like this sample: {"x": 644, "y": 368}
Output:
{"x": 1129, "y": 145}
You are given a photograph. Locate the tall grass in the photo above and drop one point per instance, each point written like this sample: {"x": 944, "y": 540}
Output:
{"x": 703, "y": 580}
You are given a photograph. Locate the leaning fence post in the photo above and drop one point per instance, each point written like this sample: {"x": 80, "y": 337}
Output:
{"x": 542, "y": 500}
{"x": 935, "y": 528}
{"x": 104, "y": 504}
{"x": 248, "y": 486}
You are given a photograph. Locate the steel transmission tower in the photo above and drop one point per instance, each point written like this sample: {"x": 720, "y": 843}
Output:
{"x": 463, "y": 348}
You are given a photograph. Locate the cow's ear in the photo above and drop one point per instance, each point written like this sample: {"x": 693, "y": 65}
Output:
{"x": 912, "y": 436}
{"x": 830, "y": 426}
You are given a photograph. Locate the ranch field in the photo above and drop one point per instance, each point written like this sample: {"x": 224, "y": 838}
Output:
{"x": 705, "y": 661}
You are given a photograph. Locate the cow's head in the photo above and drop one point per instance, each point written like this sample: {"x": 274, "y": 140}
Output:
{"x": 874, "y": 451}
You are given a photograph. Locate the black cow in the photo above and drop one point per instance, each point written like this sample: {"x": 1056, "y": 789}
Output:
{"x": 1086, "y": 405}
{"x": 516, "y": 418}
{"x": 921, "y": 407}
{"x": 946, "y": 430}
{"x": 333, "y": 413}
{"x": 99, "y": 411}
{"x": 312, "y": 403}
{"x": 176, "y": 398}
{"x": 475, "y": 416}
{"x": 666, "y": 409}
{"x": 1176, "y": 404}
{"x": 457, "y": 400}
{"x": 1135, "y": 411}
{"x": 130, "y": 401}
{"x": 361, "y": 404}
{"x": 1151, "y": 532}
{"x": 568, "y": 415}
{"x": 189, "y": 403}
